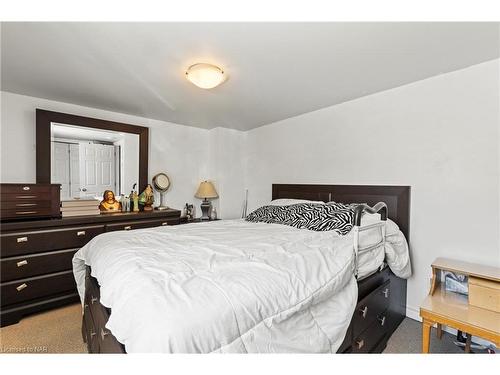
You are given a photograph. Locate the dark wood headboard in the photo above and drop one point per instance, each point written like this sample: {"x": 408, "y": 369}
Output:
{"x": 397, "y": 198}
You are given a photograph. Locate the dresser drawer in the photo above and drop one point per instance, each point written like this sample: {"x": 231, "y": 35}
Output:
{"x": 34, "y": 265}
{"x": 368, "y": 340}
{"x": 13, "y": 244}
{"x": 142, "y": 224}
{"x": 370, "y": 307}
{"x": 24, "y": 290}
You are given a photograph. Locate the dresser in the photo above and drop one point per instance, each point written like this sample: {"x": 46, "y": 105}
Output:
{"x": 36, "y": 257}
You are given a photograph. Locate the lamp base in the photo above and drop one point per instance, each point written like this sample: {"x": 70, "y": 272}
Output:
{"x": 206, "y": 207}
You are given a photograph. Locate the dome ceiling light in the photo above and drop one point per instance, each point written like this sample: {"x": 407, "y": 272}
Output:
{"x": 205, "y": 76}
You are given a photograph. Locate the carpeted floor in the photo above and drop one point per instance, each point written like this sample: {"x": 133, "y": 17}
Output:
{"x": 59, "y": 331}
{"x": 55, "y": 331}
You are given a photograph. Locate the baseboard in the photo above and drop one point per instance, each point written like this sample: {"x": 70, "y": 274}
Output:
{"x": 414, "y": 313}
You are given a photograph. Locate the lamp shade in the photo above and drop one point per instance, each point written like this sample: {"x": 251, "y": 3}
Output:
{"x": 206, "y": 190}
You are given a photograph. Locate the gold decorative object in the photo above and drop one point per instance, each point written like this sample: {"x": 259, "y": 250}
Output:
{"x": 146, "y": 198}
{"x": 109, "y": 203}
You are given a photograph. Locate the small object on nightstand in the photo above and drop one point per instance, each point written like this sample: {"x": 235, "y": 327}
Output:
{"x": 213, "y": 214}
{"x": 188, "y": 211}
{"x": 205, "y": 191}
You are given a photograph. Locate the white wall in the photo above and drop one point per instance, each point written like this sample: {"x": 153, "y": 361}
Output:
{"x": 178, "y": 150}
{"x": 226, "y": 168}
{"x": 439, "y": 135}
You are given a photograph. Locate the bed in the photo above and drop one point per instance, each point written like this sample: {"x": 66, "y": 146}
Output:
{"x": 235, "y": 286}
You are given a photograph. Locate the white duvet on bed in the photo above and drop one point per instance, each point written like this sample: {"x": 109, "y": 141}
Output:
{"x": 229, "y": 286}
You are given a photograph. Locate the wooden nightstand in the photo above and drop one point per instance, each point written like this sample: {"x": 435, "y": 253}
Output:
{"x": 442, "y": 307}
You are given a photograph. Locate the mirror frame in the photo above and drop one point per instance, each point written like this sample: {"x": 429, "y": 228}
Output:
{"x": 45, "y": 118}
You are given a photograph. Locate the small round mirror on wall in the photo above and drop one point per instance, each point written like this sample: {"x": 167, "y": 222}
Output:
{"x": 161, "y": 183}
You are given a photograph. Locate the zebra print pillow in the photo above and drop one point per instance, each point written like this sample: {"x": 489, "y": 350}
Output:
{"x": 318, "y": 217}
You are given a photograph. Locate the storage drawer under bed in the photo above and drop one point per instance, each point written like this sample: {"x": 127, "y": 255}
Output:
{"x": 369, "y": 308}
{"x": 99, "y": 338}
{"x": 366, "y": 341}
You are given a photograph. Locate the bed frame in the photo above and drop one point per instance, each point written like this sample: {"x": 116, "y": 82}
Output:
{"x": 381, "y": 296}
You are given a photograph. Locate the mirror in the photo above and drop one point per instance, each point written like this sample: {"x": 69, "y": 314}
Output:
{"x": 161, "y": 183}
{"x": 87, "y": 161}
{"x": 88, "y": 155}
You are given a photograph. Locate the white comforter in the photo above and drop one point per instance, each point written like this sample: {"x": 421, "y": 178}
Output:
{"x": 229, "y": 286}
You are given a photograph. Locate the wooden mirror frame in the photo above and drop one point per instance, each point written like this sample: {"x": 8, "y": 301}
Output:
{"x": 44, "y": 119}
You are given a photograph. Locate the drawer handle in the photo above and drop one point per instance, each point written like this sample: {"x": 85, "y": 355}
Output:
{"x": 104, "y": 333}
{"x": 386, "y": 292}
{"x": 360, "y": 343}
{"x": 92, "y": 334}
{"x": 381, "y": 320}
{"x": 25, "y": 204}
{"x": 165, "y": 223}
{"x": 25, "y": 212}
{"x": 25, "y": 188}
{"x": 22, "y": 263}
{"x": 22, "y": 239}
{"x": 86, "y": 306}
{"x": 25, "y": 196}
{"x": 21, "y": 287}
{"x": 128, "y": 227}
{"x": 364, "y": 311}
{"x": 80, "y": 233}
{"x": 93, "y": 299}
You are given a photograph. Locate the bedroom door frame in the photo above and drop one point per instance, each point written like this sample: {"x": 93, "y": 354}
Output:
{"x": 45, "y": 118}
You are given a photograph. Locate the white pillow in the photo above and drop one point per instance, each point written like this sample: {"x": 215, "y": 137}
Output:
{"x": 287, "y": 202}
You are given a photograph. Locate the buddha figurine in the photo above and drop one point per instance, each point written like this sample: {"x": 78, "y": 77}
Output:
{"x": 146, "y": 198}
{"x": 109, "y": 203}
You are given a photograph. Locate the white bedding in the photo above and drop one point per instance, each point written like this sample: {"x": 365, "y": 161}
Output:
{"x": 229, "y": 286}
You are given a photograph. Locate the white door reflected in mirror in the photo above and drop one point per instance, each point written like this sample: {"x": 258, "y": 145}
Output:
{"x": 87, "y": 162}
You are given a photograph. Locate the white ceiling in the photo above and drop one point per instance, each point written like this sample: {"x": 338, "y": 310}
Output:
{"x": 276, "y": 70}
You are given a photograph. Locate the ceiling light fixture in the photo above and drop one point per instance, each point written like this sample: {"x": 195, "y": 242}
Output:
{"x": 205, "y": 76}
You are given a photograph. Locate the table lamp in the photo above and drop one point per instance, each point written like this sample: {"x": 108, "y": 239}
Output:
{"x": 206, "y": 191}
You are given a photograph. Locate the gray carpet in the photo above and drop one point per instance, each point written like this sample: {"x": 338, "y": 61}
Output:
{"x": 408, "y": 339}
{"x": 58, "y": 331}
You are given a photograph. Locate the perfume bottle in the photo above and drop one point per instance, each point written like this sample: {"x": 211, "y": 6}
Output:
{"x": 213, "y": 214}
